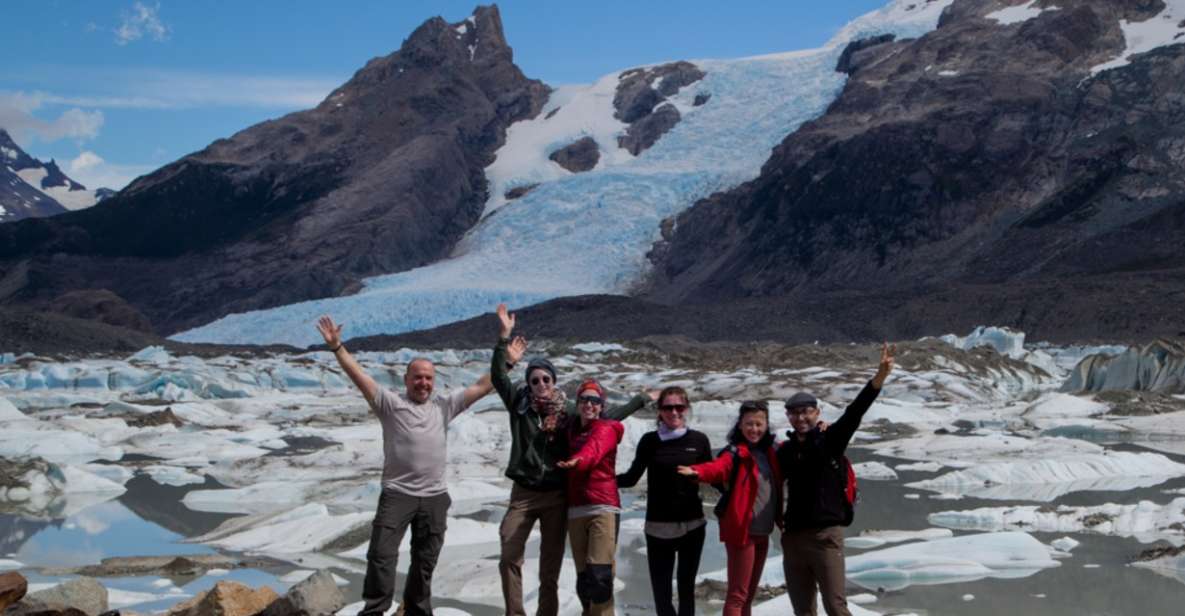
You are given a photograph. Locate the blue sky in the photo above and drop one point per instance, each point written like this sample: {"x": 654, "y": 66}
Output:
{"x": 115, "y": 88}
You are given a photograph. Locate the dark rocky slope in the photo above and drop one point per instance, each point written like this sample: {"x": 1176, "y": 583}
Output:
{"x": 384, "y": 175}
{"x": 967, "y": 165}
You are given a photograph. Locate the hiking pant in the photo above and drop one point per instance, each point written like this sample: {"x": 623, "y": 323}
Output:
{"x": 527, "y": 506}
{"x": 745, "y": 564}
{"x": 594, "y": 543}
{"x": 815, "y": 556}
{"x": 660, "y": 556}
{"x": 427, "y": 517}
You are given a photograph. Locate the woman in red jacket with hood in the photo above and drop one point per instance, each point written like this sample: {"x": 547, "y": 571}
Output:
{"x": 593, "y": 502}
{"x": 750, "y": 468}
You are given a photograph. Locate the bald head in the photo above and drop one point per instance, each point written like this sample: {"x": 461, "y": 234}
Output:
{"x": 420, "y": 379}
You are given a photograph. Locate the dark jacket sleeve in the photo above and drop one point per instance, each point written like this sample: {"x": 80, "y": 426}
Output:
{"x": 502, "y": 383}
{"x": 642, "y": 457}
{"x": 837, "y": 437}
{"x": 629, "y": 408}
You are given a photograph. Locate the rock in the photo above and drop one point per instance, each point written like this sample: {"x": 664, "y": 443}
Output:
{"x": 645, "y": 132}
{"x": 846, "y": 63}
{"x": 316, "y": 595}
{"x": 581, "y": 155}
{"x": 84, "y": 594}
{"x": 12, "y": 588}
{"x": 103, "y": 306}
{"x": 156, "y": 418}
{"x": 701, "y": 98}
{"x": 519, "y": 191}
{"x": 192, "y": 565}
{"x": 227, "y": 599}
{"x": 639, "y": 93}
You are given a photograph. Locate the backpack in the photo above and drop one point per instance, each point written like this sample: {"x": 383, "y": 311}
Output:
{"x": 851, "y": 490}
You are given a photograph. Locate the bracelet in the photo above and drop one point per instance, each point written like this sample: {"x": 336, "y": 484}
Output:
{"x": 339, "y": 347}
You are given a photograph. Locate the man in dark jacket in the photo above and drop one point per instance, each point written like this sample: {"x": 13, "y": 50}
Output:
{"x": 538, "y": 412}
{"x": 817, "y": 508}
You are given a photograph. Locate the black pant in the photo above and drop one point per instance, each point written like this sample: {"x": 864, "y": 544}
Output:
{"x": 660, "y": 555}
{"x": 427, "y": 517}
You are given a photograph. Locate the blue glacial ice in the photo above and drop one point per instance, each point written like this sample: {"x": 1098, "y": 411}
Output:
{"x": 589, "y": 232}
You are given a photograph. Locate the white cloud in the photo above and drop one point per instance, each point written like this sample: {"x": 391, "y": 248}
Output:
{"x": 16, "y": 115}
{"x": 159, "y": 89}
{"x": 86, "y": 160}
{"x": 141, "y": 20}
{"x": 92, "y": 171}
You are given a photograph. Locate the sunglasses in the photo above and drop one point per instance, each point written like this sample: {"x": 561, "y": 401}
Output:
{"x": 678, "y": 408}
{"x": 800, "y": 410}
{"x": 541, "y": 379}
{"x": 590, "y": 400}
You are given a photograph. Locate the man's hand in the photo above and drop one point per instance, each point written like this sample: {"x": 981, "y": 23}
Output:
{"x": 886, "y": 365}
{"x": 653, "y": 394}
{"x": 506, "y": 321}
{"x": 569, "y": 463}
{"x": 330, "y": 332}
{"x": 515, "y": 350}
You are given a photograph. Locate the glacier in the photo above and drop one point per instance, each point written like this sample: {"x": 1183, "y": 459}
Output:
{"x": 589, "y": 233}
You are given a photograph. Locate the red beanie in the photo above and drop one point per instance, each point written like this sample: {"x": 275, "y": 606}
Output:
{"x": 590, "y": 384}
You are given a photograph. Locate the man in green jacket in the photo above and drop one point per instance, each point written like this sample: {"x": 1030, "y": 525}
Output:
{"x": 538, "y": 412}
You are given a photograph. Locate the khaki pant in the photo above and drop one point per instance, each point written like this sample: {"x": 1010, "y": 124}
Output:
{"x": 551, "y": 511}
{"x": 810, "y": 558}
{"x": 594, "y": 543}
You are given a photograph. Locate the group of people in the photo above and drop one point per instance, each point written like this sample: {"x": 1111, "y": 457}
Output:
{"x": 563, "y": 463}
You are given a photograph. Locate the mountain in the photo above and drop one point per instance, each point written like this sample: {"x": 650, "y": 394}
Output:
{"x": 1036, "y": 149}
{"x": 578, "y": 194}
{"x": 383, "y": 175}
{"x": 30, "y": 188}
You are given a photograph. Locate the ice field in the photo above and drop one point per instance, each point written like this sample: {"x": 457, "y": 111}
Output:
{"x": 978, "y": 476}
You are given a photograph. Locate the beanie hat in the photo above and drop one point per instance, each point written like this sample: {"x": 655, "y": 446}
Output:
{"x": 802, "y": 400}
{"x": 541, "y": 363}
{"x": 593, "y": 385}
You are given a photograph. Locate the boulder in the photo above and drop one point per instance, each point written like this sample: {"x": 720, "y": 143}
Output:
{"x": 83, "y": 594}
{"x": 519, "y": 191}
{"x": 645, "y": 132}
{"x": 317, "y": 595}
{"x": 227, "y": 599}
{"x": 13, "y": 587}
{"x": 581, "y": 155}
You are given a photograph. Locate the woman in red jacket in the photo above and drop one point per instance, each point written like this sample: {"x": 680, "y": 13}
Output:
{"x": 750, "y": 468}
{"x": 593, "y": 502}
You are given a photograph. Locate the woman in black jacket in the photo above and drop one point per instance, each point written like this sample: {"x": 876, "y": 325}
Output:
{"x": 674, "y": 511}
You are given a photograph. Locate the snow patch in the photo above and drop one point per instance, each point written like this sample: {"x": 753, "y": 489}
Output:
{"x": 1144, "y": 36}
{"x": 1018, "y": 14}
{"x": 1145, "y": 520}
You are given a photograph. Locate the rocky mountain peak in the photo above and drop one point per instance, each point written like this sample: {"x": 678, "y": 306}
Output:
{"x": 385, "y": 174}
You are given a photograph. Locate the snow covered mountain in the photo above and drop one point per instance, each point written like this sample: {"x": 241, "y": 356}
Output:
{"x": 30, "y": 188}
{"x": 583, "y": 232}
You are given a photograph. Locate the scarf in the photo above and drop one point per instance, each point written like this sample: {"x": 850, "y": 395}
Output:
{"x": 669, "y": 434}
{"x": 551, "y": 411}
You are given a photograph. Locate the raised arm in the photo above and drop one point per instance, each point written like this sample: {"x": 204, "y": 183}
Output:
{"x": 635, "y": 404}
{"x": 477, "y": 391}
{"x": 839, "y": 434}
{"x": 333, "y": 338}
{"x": 506, "y": 353}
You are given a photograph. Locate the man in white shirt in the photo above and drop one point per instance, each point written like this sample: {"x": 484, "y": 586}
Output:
{"x": 414, "y": 492}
